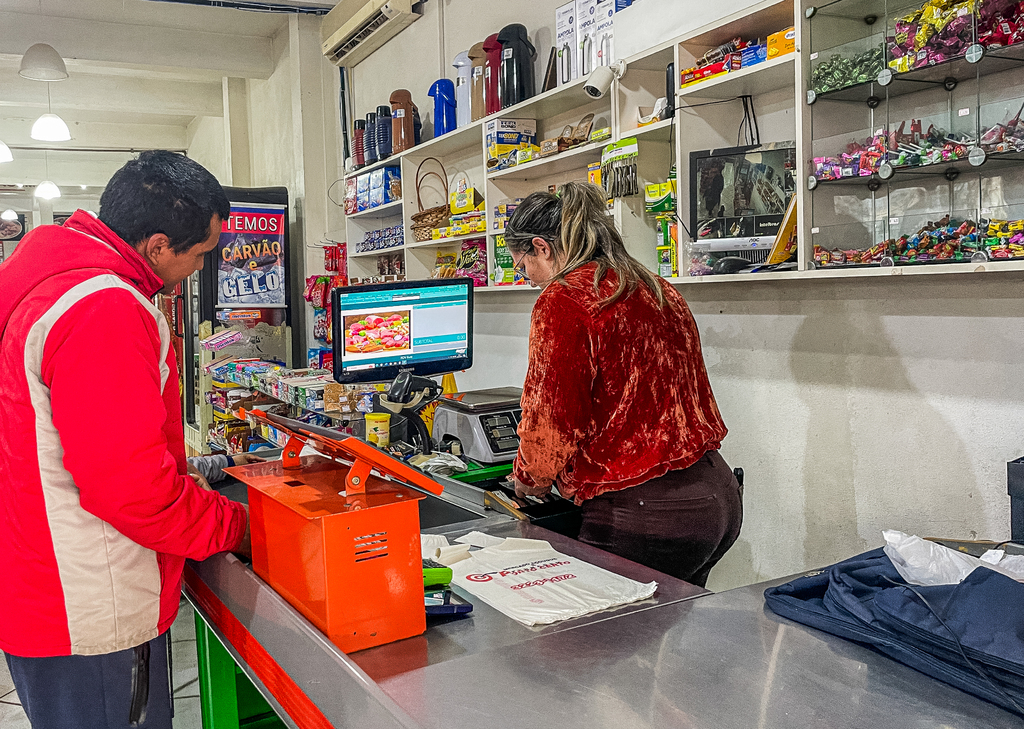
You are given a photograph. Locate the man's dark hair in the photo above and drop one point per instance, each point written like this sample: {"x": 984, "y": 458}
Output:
{"x": 163, "y": 192}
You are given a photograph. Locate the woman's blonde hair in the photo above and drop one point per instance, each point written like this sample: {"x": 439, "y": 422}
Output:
{"x": 575, "y": 224}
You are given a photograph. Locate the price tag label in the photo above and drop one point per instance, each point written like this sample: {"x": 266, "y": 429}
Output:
{"x": 814, "y": 56}
{"x": 964, "y": 112}
{"x": 894, "y": 221}
{"x": 814, "y": 231}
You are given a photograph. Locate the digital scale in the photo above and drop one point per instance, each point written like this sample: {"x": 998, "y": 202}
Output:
{"x": 485, "y": 423}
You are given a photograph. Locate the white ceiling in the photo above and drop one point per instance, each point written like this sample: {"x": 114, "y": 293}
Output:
{"x": 140, "y": 73}
{"x": 155, "y": 15}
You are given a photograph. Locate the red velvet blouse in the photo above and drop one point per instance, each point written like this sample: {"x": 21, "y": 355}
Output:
{"x": 613, "y": 397}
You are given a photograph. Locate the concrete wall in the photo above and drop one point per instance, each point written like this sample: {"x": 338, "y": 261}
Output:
{"x": 852, "y": 407}
{"x": 423, "y": 52}
{"x": 207, "y": 146}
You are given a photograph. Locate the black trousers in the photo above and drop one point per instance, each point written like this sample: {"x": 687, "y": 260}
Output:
{"x": 681, "y": 523}
{"x": 91, "y": 692}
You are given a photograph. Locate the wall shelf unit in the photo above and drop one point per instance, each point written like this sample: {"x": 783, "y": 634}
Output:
{"x": 844, "y": 213}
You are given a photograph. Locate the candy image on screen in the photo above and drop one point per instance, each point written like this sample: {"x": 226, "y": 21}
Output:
{"x": 386, "y": 331}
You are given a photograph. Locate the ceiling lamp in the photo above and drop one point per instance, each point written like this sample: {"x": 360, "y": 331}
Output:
{"x": 8, "y": 214}
{"x": 42, "y": 63}
{"x": 50, "y": 128}
{"x": 47, "y": 190}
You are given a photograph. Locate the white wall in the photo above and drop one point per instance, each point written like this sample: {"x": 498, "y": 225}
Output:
{"x": 852, "y": 407}
{"x": 207, "y": 146}
{"x": 423, "y": 52}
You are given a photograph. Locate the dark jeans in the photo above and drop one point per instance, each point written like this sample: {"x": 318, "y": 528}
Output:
{"x": 681, "y": 523}
{"x": 91, "y": 692}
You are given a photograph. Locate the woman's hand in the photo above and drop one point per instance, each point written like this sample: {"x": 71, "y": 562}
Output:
{"x": 522, "y": 490}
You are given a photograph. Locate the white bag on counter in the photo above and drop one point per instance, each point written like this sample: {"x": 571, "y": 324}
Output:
{"x": 530, "y": 582}
{"x": 925, "y": 563}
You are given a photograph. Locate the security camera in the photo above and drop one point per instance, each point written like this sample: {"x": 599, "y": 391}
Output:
{"x": 600, "y": 79}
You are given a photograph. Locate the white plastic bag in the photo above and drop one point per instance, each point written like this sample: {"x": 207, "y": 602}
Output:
{"x": 925, "y": 563}
{"x": 530, "y": 582}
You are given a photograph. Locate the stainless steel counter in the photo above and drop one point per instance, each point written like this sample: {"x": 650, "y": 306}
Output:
{"x": 718, "y": 661}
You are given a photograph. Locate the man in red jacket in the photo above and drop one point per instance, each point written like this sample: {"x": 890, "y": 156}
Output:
{"x": 97, "y": 514}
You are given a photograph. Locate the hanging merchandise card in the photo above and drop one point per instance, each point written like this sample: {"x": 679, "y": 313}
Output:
{"x": 251, "y": 257}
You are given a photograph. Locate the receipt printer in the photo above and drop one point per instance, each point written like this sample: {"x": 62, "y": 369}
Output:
{"x": 484, "y": 422}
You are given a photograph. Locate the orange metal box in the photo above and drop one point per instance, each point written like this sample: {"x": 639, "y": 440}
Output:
{"x": 349, "y": 561}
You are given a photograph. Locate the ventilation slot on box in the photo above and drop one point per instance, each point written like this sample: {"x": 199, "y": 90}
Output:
{"x": 371, "y": 546}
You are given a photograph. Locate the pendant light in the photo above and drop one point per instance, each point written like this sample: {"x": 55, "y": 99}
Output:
{"x": 50, "y": 127}
{"x": 5, "y": 153}
{"x": 42, "y": 63}
{"x": 47, "y": 190}
{"x": 8, "y": 214}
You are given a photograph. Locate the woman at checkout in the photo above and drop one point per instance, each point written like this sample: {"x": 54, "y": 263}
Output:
{"x": 617, "y": 407}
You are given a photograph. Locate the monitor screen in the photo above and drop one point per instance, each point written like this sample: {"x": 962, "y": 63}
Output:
{"x": 740, "y": 193}
{"x": 425, "y": 327}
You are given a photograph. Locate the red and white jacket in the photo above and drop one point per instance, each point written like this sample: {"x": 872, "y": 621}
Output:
{"x": 97, "y": 515}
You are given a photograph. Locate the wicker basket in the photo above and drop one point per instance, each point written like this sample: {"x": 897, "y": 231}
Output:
{"x": 424, "y": 222}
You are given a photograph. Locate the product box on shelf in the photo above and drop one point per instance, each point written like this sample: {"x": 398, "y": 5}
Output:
{"x": 384, "y": 186}
{"x": 604, "y": 32}
{"x": 781, "y": 43}
{"x": 505, "y": 137}
{"x": 753, "y": 55}
{"x": 690, "y": 76}
{"x": 504, "y": 273}
{"x": 586, "y": 32}
{"x": 351, "y": 196}
{"x": 565, "y": 43}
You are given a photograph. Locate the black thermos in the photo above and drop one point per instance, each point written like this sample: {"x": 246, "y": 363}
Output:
{"x": 517, "y": 76}
{"x": 370, "y": 139}
{"x": 383, "y": 132}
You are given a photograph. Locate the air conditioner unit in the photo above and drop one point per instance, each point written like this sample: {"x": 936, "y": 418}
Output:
{"x": 356, "y": 28}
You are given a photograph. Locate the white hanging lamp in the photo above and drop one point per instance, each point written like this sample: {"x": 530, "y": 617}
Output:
{"x": 50, "y": 127}
{"x": 47, "y": 190}
{"x": 8, "y": 214}
{"x": 42, "y": 63}
{"x": 5, "y": 153}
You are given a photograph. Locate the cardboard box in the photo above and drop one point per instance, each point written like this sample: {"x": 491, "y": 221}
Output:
{"x": 502, "y": 136}
{"x": 565, "y": 43}
{"x": 586, "y": 32}
{"x": 604, "y": 33}
{"x": 781, "y": 43}
{"x": 753, "y": 55}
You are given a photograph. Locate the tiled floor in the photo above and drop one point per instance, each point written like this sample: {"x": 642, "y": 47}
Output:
{"x": 185, "y": 678}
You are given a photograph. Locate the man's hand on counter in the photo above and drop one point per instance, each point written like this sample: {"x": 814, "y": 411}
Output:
{"x": 244, "y": 549}
{"x": 522, "y": 490}
{"x": 198, "y": 477}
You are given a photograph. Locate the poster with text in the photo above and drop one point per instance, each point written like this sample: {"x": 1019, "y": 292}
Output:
{"x": 250, "y": 257}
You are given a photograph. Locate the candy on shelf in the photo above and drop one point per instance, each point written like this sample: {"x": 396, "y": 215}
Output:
{"x": 944, "y": 240}
{"x": 839, "y": 71}
{"x": 383, "y": 239}
{"x": 936, "y": 32}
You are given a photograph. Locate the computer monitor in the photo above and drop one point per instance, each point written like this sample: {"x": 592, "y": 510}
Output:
{"x": 423, "y": 327}
{"x": 739, "y": 197}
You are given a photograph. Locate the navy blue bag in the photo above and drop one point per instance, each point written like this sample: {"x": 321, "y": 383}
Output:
{"x": 969, "y": 635}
